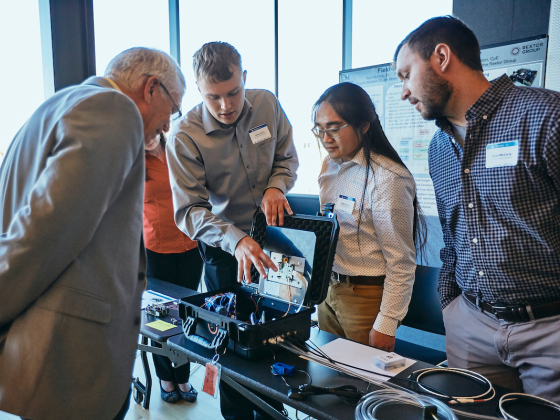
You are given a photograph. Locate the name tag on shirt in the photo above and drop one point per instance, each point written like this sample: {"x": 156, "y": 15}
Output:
{"x": 260, "y": 133}
{"x": 502, "y": 154}
{"x": 345, "y": 204}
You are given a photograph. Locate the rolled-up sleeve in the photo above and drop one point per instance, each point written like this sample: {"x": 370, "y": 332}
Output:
{"x": 193, "y": 211}
{"x": 393, "y": 216}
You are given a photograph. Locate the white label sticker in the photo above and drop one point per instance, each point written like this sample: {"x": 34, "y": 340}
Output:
{"x": 260, "y": 133}
{"x": 344, "y": 204}
{"x": 502, "y": 154}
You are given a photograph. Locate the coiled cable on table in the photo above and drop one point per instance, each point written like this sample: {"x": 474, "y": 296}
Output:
{"x": 516, "y": 397}
{"x": 370, "y": 404}
{"x": 483, "y": 397}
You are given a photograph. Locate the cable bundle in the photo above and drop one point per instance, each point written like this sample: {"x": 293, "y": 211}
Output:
{"x": 369, "y": 405}
{"x": 515, "y": 397}
{"x": 485, "y": 396}
{"x": 224, "y": 304}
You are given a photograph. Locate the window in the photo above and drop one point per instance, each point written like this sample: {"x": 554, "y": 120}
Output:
{"x": 123, "y": 24}
{"x": 22, "y": 68}
{"x": 248, "y": 25}
{"x": 378, "y": 27}
{"x": 309, "y": 59}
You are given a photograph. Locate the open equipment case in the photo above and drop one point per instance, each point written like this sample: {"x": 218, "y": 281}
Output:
{"x": 246, "y": 316}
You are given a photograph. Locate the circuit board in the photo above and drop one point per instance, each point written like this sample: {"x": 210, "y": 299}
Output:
{"x": 290, "y": 270}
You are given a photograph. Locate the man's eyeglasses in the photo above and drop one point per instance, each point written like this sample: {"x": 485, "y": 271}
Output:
{"x": 178, "y": 114}
{"x": 333, "y": 133}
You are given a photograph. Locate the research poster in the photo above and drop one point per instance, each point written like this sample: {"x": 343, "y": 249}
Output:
{"x": 410, "y": 135}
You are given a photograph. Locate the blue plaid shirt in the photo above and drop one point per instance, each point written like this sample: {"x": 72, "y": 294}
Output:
{"x": 501, "y": 225}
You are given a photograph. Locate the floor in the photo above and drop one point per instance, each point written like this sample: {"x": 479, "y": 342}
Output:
{"x": 206, "y": 407}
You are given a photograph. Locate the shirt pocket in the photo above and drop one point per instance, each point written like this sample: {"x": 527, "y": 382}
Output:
{"x": 265, "y": 142}
{"x": 265, "y": 158}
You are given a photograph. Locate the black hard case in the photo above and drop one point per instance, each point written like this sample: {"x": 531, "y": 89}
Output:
{"x": 216, "y": 332}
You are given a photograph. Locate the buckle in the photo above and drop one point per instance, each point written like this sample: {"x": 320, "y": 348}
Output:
{"x": 341, "y": 278}
{"x": 511, "y": 313}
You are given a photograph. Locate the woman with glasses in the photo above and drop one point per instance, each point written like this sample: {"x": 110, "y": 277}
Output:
{"x": 380, "y": 222}
{"x": 172, "y": 257}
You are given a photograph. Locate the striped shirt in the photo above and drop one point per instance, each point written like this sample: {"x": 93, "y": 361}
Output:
{"x": 500, "y": 218}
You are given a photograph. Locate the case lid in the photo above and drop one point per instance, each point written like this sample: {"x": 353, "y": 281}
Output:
{"x": 304, "y": 250}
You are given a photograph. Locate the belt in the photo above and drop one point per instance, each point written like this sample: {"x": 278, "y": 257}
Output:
{"x": 360, "y": 280}
{"x": 514, "y": 313}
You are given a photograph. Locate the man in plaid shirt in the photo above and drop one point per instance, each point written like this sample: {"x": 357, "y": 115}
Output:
{"x": 495, "y": 166}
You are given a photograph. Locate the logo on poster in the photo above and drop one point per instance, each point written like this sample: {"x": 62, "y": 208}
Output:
{"x": 515, "y": 50}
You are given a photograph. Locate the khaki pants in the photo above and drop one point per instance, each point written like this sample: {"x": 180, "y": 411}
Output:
{"x": 350, "y": 310}
{"x": 523, "y": 356}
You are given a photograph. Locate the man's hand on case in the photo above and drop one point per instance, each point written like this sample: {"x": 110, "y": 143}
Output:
{"x": 248, "y": 252}
{"x": 273, "y": 204}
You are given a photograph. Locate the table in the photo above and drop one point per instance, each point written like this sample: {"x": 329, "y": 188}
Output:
{"x": 247, "y": 376}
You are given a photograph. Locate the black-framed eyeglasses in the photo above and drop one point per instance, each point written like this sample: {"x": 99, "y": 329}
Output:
{"x": 333, "y": 133}
{"x": 178, "y": 114}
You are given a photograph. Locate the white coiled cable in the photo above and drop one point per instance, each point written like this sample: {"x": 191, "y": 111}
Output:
{"x": 513, "y": 397}
{"x": 483, "y": 397}
{"x": 370, "y": 404}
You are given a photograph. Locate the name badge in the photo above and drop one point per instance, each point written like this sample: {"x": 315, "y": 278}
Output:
{"x": 260, "y": 133}
{"x": 502, "y": 154}
{"x": 345, "y": 204}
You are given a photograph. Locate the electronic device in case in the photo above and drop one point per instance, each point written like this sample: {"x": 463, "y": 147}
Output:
{"x": 157, "y": 309}
{"x": 281, "y": 304}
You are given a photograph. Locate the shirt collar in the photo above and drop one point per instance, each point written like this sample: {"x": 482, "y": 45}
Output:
{"x": 101, "y": 81}
{"x": 486, "y": 105}
{"x": 359, "y": 159}
{"x": 112, "y": 84}
{"x": 210, "y": 124}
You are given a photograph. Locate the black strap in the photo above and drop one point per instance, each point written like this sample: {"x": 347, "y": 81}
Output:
{"x": 360, "y": 280}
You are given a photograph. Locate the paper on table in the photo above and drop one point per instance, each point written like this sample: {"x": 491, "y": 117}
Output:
{"x": 160, "y": 325}
{"x": 150, "y": 297}
{"x": 359, "y": 355}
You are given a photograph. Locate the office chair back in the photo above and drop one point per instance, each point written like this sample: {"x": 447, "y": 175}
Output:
{"x": 424, "y": 311}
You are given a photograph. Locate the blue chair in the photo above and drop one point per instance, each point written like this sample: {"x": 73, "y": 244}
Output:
{"x": 424, "y": 313}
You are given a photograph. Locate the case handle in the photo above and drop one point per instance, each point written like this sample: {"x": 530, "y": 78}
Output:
{"x": 219, "y": 343}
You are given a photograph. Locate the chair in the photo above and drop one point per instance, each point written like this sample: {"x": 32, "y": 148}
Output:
{"x": 424, "y": 313}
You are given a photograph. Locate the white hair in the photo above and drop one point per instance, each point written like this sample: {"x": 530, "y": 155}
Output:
{"x": 131, "y": 68}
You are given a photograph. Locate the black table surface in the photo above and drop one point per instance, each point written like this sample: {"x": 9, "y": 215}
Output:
{"x": 256, "y": 375}
{"x": 171, "y": 290}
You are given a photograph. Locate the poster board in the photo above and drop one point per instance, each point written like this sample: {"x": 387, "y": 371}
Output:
{"x": 410, "y": 135}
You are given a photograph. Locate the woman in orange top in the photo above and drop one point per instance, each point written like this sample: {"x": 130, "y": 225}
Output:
{"x": 172, "y": 257}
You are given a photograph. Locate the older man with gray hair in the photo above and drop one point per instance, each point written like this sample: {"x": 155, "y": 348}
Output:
{"x": 72, "y": 260}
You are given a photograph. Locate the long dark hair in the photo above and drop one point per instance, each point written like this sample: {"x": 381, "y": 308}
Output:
{"x": 354, "y": 106}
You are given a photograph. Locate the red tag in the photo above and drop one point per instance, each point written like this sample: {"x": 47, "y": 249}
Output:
{"x": 211, "y": 379}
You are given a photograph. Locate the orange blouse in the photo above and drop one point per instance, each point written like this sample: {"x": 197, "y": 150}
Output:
{"x": 160, "y": 232}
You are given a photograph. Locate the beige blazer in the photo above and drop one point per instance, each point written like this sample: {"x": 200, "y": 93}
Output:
{"x": 72, "y": 261}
